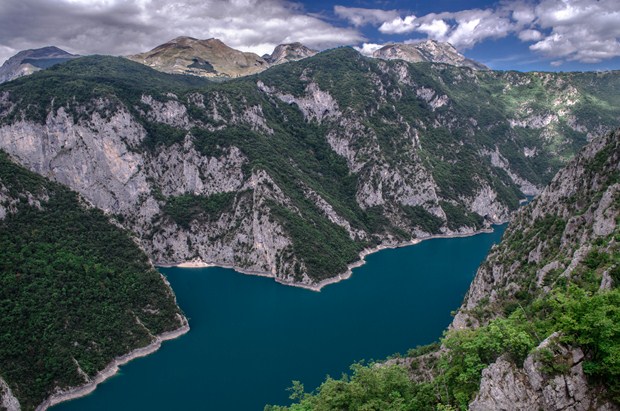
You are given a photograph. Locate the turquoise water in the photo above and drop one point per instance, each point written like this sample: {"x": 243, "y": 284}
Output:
{"x": 251, "y": 336}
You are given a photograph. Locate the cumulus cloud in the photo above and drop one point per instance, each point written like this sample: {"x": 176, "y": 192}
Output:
{"x": 463, "y": 29}
{"x": 530, "y": 35}
{"x": 360, "y": 16}
{"x": 368, "y": 48}
{"x": 130, "y": 26}
{"x": 399, "y": 25}
{"x": 581, "y": 30}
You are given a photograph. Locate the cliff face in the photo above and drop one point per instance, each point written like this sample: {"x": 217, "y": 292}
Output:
{"x": 568, "y": 235}
{"x": 294, "y": 172}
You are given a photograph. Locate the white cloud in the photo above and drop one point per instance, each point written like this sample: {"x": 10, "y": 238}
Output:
{"x": 399, "y": 25}
{"x": 463, "y": 29}
{"x": 368, "y": 48}
{"x": 530, "y": 35}
{"x": 583, "y": 30}
{"x": 437, "y": 28}
{"x": 129, "y": 26}
{"x": 360, "y": 16}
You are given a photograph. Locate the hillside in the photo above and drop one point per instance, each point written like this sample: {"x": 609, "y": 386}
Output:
{"x": 77, "y": 292}
{"x": 294, "y": 171}
{"x": 540, "y": 326}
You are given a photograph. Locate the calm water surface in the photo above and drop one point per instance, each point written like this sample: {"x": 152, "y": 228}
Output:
{"x": 251, "y": 336}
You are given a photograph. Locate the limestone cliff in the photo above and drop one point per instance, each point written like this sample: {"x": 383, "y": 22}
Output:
{"x": 569, "y": 234}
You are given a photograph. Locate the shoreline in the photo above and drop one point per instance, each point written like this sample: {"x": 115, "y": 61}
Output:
{"x": 197, "y": 263}
{"x": 112, "y": 368}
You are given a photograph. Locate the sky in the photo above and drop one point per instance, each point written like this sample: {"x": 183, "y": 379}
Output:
{"x": 524, "y": 35}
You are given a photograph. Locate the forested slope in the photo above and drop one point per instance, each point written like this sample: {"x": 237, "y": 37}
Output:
{"x": 75, "y": 290}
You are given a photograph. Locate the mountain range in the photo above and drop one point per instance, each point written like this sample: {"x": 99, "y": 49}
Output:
{"x": 213, "y": 59}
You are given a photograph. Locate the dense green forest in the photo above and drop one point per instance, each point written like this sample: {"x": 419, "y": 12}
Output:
{"x": 75, "y": 290}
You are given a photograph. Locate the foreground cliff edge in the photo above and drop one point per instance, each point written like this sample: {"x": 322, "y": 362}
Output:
{"x": 78, "y": 297}
{"x": 540, "y": 325}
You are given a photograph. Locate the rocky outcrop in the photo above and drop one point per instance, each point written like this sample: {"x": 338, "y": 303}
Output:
{"x": 549, "y": 241}
{"x": 581, "y": 201}
{"x": 29, "y": 61}
{"x": 428, "y": 51}
{"x": 504, "y": 386}
{"x": 8, "y": 401}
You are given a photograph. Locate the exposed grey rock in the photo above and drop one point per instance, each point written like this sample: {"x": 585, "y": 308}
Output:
{"x": 316, "y": 104}
{"x": 504, "y": 386}
{"x": 8, "y": 401}
{"x": 285, "y": 53}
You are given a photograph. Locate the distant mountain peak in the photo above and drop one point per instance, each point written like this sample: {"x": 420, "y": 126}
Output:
{"x": 287, "y": 52}
{"x": 28, "y": 61}
{"x": 427, "y": 51}
{"x": 205, "y": 58}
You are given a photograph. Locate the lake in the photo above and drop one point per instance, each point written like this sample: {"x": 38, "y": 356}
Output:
{"x": 250, "y": 337}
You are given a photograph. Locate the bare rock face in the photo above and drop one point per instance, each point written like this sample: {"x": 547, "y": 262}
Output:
{"x": 427, "y": 51}
{"x": 8, "y": 401}
{"x": 504, "y": 386}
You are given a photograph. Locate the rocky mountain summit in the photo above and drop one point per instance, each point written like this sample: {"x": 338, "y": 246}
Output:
{"x": 427, "y": 51}
{"x": 206, "y": 58}
{"x": 29, "y": 61}
{"x": 285, "y": 53}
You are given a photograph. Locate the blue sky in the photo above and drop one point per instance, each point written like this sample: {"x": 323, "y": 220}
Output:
{"x": 503, "y": 34}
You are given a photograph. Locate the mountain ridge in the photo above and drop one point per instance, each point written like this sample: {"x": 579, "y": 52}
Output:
{"x": 29, "y": 61}
{"x": 227, "y": 158}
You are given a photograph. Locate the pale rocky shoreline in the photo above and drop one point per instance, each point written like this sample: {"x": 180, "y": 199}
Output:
{"x": 197, "y": 263}
{"x": 112, "y": 368}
